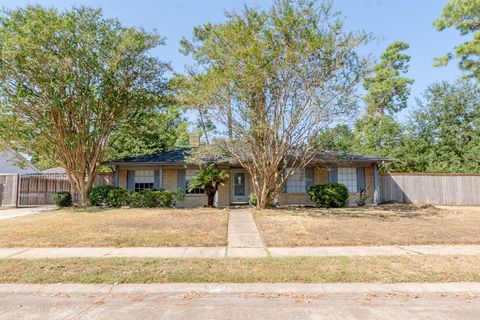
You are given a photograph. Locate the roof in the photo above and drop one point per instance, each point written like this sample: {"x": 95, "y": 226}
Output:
{"x": 334, "y": 156}
{"x": 179, "y": 156}
{"x": 13, "y": 162}
{"x": 55, "y": 170}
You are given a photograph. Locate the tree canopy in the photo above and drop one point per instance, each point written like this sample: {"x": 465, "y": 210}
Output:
{"x": 276, "y": 78}
{"x": 463, "y": 15}
{"x": 69, "y": 79}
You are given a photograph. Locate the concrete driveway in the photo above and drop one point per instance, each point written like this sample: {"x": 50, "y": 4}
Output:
{"x": 288, "y": 301}
{"x": 20, "y": 212}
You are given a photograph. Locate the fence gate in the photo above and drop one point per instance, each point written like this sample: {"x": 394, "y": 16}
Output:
{"x": 38, "y": 189}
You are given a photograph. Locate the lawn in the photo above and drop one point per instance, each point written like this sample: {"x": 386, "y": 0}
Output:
{"x": 393, "y": 224}
{"x": 312, "y": 269}
{"x": 117, "y": 228}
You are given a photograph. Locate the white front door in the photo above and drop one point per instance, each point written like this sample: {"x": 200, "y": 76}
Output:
{"x": 239, "y": 186}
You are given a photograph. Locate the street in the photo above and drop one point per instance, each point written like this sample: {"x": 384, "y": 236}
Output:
{"x": 152, "y": 303}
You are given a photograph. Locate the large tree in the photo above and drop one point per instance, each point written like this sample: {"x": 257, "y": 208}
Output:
{"x": 151, "y": 131}
{"x": 71, "y": 78}
{"x": 463, "y": 15}
{"x": 377, "y": 131}
{"x": 276, "y": 78}
{"x": 444, "y": 130}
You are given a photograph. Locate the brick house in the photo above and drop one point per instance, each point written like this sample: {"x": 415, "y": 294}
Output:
{"x": 169, "y": 171}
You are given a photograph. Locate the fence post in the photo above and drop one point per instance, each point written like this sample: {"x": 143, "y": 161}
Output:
{"x": 17, "y": 196}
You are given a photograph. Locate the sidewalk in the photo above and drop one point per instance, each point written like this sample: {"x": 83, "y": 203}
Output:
{"x": 244, "y": 240}
{"x": 241, "y": 301}
{"x": 222, "y": 252}
{"x": 20, "y": 212}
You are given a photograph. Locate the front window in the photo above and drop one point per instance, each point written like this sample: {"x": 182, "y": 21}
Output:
{"x": 296, "y": 182}
{"x": 144, "y": 180}
{"x": 189, "y": 174}
{"x": 348, "y": 177}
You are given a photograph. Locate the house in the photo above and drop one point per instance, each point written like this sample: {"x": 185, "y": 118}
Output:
{"x": 57, "y": 170}
{"x": 169, "y": 171}
{"x": 13, "y": 162}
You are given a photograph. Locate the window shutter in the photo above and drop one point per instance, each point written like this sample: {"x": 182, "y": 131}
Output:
{"x": 284, "y": 183}
{"x": 309, "y": 177}
{"x": 156, "y": 179}
{"x": 181, "y": 183}
{"x": 360, "y": 179}
{"x": 332, "y": 175}
{"x": 131, "y": 179}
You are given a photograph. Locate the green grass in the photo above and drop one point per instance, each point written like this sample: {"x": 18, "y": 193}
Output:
{"x": 312, "y": 269}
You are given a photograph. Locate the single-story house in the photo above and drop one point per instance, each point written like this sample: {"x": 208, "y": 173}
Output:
{"x": 170, "y": 171}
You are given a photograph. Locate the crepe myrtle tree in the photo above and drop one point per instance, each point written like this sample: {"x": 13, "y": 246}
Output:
{"x": 275, "y": 78}
{"x": 69, "y": 79}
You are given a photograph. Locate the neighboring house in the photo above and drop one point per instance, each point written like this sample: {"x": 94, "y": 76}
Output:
{"x": 55, "y": 170}
{"x": 169, "y": 171}
{"x": 13, "y": 162}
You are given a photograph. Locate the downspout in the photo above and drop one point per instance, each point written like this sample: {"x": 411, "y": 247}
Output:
{"x": 116, "y": 176}
{"x": 376, "y": 185}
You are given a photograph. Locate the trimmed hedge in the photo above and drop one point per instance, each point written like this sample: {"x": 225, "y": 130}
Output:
{"x": 332, "y": 195}
{"x": 62, "y": 199}
{"x": 143, "y": 199}
{"x": 98, "y": 195}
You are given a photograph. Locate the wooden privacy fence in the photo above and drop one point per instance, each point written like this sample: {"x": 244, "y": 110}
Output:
{"x": 440, "y": 189}
{"x": 38, "y": 189}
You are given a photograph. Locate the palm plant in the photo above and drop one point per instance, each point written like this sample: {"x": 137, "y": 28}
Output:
{"x": 209, "y": 179}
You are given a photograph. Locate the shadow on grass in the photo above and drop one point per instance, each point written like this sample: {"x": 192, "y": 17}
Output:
{"x": 383, "y": 212}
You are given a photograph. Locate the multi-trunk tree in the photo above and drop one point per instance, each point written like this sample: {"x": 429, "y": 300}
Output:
{"x": 275, "y": 78}
{"x": 69, "y": 79}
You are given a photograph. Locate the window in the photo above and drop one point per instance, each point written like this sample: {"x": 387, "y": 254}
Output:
{"x": 144, "y": 180}
{"x": 296, "y": 182}
{"x": 348, "y": 177}
{"x": 189, "y": 174}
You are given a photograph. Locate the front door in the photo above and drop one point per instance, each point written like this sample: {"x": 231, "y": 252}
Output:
{"x": 239, "y": 187}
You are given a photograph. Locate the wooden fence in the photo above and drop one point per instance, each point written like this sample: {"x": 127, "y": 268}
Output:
{"x": 440, "y": 189}
{"x": 38, "y": 189}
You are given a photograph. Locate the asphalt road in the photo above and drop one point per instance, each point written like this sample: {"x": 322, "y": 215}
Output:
{"x": 252, "y": 305}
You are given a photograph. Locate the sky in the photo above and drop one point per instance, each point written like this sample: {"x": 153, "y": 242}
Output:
{"x": 389, "y": 20}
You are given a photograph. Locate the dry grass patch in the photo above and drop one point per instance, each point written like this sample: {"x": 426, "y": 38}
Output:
{"x": 311, "y": 269}
{"x": 95, "y": 227}
{"x": 393, "y": 224}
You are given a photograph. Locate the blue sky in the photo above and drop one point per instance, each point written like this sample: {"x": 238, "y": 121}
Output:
{"x": 391, "y": 20}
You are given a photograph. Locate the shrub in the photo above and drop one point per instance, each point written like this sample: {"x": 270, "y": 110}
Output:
{"x": 332, "y": 195}
{"x": 62, "y": 199}
{"x": 98, "y": 195}
{"x": 252, "y": 199}
{"x": 117, "y": 197}
{"x": 134, "y": 199}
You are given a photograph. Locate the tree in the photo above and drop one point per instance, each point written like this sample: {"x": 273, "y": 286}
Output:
{"x": 377, "y": 132}
{"x": 444, "y": 130}
{"x": 386, "y": 89}
{"x": 209, "y": 179}
{"x": 151, "y": 131}
{"x": 338, "y": 138}
{"x": 71, "y": 78}
{"x": 463, "y": 15}
{"x": 276, "y": 78}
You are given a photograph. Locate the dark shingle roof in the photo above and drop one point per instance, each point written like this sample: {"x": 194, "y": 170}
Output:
{"x": 175, "y": 156}
{"x": 178, "y": 157}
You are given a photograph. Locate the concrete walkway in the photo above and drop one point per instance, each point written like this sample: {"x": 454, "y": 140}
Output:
{"x": 244, "y": 240}
{"x": 222, "y": 252}
{"x": 20, "y": 212}
{"x": 241, "y": 301}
